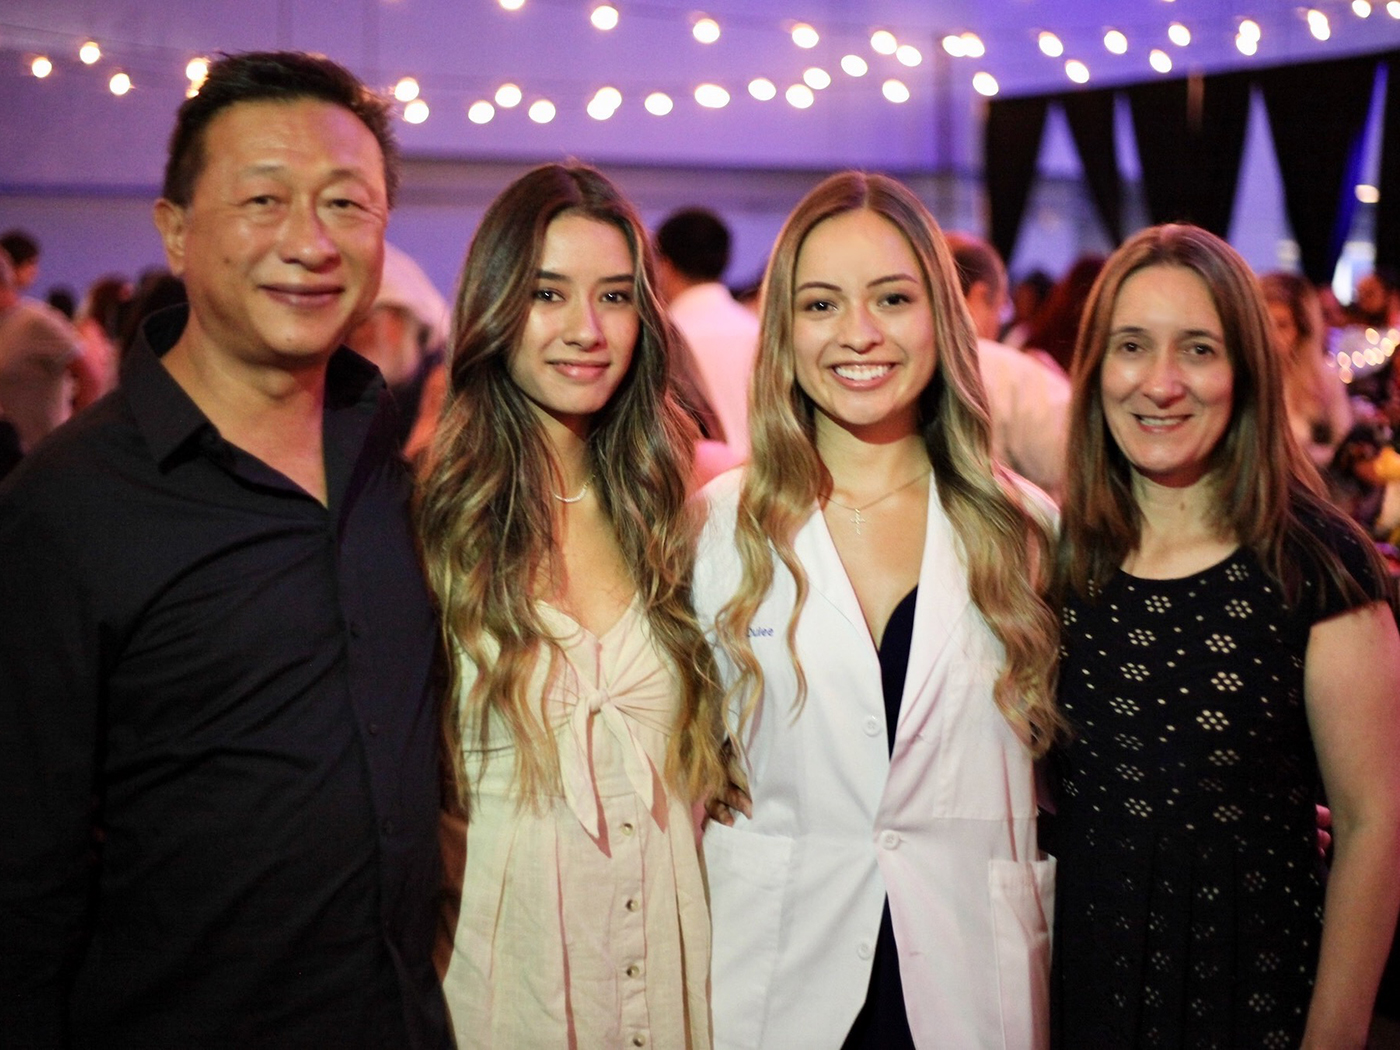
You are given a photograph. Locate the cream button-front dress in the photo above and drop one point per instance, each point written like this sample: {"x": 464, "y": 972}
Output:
{"x": 583, "y": 920}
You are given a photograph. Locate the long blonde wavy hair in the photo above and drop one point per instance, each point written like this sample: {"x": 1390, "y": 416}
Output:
{"x": 1006, "y": 546}
{"x": 485, "y": 513}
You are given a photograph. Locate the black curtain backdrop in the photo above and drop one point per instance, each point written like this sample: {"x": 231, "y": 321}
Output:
{"x": 1012, "y": 144}
{"x": 1388, "y": 208}
{"x": 1190, "y": 137}
{"x": 1190, "y": 140}
{"x": 1090, "y": 116}
{"x": 1318, "y": 118}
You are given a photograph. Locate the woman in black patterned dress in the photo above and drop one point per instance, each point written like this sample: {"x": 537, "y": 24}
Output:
{"x": 1228, "y": 654}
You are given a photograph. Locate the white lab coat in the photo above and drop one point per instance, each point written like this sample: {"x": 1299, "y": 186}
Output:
{"x": 945, "y": 826}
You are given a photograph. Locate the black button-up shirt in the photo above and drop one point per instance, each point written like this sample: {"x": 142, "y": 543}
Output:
{"x": 218, "y": 734}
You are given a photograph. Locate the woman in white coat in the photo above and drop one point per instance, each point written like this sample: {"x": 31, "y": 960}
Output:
{"x": 874, "y": 583}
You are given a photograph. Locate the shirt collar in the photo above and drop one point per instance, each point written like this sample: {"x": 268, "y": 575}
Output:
{"x": 168, "y": 418}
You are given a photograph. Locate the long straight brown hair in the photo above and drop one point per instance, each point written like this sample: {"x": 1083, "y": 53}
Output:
{"x": 485, "y": 514}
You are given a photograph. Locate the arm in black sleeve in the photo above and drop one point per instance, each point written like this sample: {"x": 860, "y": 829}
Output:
{"x": 49, "y": 714}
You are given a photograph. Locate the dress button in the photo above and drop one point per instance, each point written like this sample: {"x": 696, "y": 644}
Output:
{"x": 872, "y": 726}
{"x": 864, "y": 950}
{"x": 635, "y": 970}
{"x": 387, "y": 826}
{"x": 374, "y": 729}
{"x": 633, "y": 904}
{"x": 889, "y": 839}
{"x": 627, "y": 828}
{"x": 639, "y": 1040}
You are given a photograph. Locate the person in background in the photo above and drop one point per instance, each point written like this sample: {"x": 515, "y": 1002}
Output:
{"x": 874, "y": 583}
{"x": 1319, "y": 413}
{"x": 1056, "y": 326}
{"x": 23, "y": 249}
{"x": 1373, "y": 304}
{"x": 404, "y": 334}
{"x": 218, "y": 723}
{"x": 585, "y": 714}
{"x": 1228, "y": 653}
{"x": 1028, "y": 295}
{"x": 99, "y": 326}
{"x": 1028, "y": 399}
{"x": 692, "y": 253}
{"x": 43, "y": 375}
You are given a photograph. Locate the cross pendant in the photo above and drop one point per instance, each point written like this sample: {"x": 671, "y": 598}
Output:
{"x": 857, "y": 519}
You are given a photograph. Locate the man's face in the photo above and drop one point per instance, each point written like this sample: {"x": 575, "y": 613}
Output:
{"x": 282, "y": 243}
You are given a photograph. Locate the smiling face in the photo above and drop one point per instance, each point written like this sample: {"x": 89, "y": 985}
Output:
{"x": 862, "y": 329}
{"x": 282, "y": 242}
{"x": 583, "y": 324}
{"x": 1166, "y": 378}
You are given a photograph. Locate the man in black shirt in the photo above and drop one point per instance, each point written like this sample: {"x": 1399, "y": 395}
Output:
{"x": 218, "y": 785}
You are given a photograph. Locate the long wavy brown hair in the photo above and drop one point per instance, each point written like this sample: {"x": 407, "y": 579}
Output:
{"x": 1261, "y": 479}
{"x": 1006, "y": 545}
{"x": 485, "y": 513}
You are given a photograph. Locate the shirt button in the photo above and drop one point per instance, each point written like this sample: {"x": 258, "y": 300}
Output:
{"x": 627, "y": 828}
{"x": 635, "y": 970}
{"x": 633, "y": 904}
{"x": 872, "y": 726}
{"x": 639, "y": 1040}
{"x": 864, "y": 950}
{"x": 387, "y": 826}
{"x": 374, "y": 729}
{"x": 889, "y": 839}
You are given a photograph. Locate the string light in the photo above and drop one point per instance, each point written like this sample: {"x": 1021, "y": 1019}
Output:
{"x": 1250, "y": 28}
{"x": 955, "y": 46}
{"x": 658, "y": 103}
{"x": 604, "y": 103}
{"x": 541, "y": 111}
{"x": 604, "y": 17}
{"x": 816, "y": 78}
{"x": 508, "y": 96}
{"x": 763, "y": 89}
{"x": 1050, "y": 44}
{"x": 90, "y": 53}
{"x": 1160, "y": 60}
{"x": 985, "y": 84}
{"x": 895, "y": 90}
{"x": 1361, "y": 8}
{"x": 41, "y": 66}
{"x": 854, "y": 66}
{"x": 712, "y": 96}
{"x": 1318, "y": 25}
{"x": 883, "y": 42}
{"x": 1115, "y": 42}
{"x": 197, "y": 71}
{"x": 481, "y": 112}
{"x": 973, "y": 46}
{"x": 511, "y": 5}
{"x": 1247, "y": 45}
{"x": 1393, "y": 9}
{"x": 1178, "y": 34}
{"x": 705, "y": 30}
{"x": 799, "y": 96}
{"x": 406, "y": 90}
{"x": 1077, "y": 71}
{"x": 804, "y": 35}
{"x": 119, "y": 85}
{"x": 909, "y": 55}
{"x": 1367, "y": 194}
{"x": 416, "y": 111}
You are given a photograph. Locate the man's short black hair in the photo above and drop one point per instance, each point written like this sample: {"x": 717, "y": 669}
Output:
{"x": 696, "y": 242}
{"x": 271, "y": 76}
{"x": 19, "y": 246}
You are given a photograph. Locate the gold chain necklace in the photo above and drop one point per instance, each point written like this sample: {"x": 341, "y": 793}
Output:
{"x": 857, "y": 515}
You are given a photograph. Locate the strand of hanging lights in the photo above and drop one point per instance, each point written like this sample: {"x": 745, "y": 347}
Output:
{"x": 706, "y": 29}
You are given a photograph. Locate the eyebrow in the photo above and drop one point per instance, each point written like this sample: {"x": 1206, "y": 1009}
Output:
{"x": 1189, "y": 333}
{"x": 550, "y": 275}
{"x": 888, "y": 279}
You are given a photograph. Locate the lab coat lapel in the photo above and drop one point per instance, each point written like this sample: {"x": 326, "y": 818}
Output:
{"x": 943, "y": 597}
{"x": 826, "y": 576}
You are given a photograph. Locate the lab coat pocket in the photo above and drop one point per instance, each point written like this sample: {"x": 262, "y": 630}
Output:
{"x": 748, "y": 876}
{"x": 1023, "y": 903}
